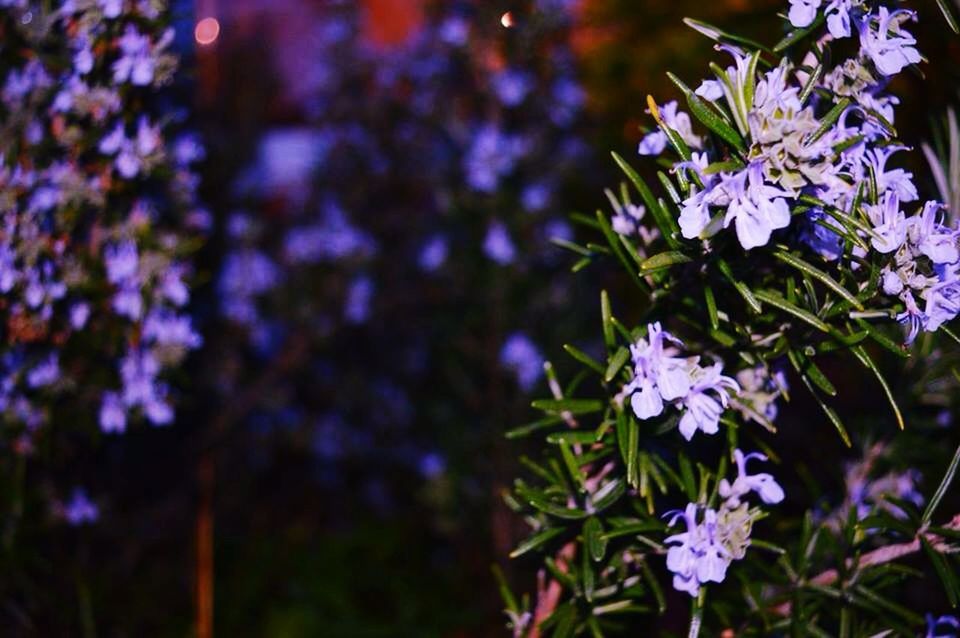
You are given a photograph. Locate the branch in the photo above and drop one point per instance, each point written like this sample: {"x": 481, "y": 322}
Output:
{"x": 880, "y": 556}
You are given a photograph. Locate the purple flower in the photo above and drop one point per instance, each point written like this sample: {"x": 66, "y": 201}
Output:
{"x": 45, "y": 373}
{"x": 357, "y": 306}
{"x": 432, "y": 465}
{"x": 122, "y": 261}
{"x": 79, "y": 313}
{"x": 169, "y": 329}
{"x": 942, "y": 627}
{"x": 755, "y": 207}
{"x": 660, "y": 379}
{"x": 803, "y": 12}
{"x": 433, "y": 254}
{"x": 491, "y": 156}
{"x": 897, "y": 180}
{"x": 113, "y": 416}
{"x": 706, "y": 400}
{"x": 696, "y": 556}
{"x": 522, "y": 356}
{"x": 654, "y": 143}
{"x": 498, "y": 246}
{"x": 763, "y": 484}
{"x": 885, "y": 43}
{"x": 889, "y": 224}
{"x": 79, "y": 509}
{"x": 926, "y": 232}
{"x": 137, "y": 62}
{"x": 512, "y": 86}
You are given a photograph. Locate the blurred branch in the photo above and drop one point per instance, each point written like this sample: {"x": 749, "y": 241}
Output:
{"x": 880, "y": 556}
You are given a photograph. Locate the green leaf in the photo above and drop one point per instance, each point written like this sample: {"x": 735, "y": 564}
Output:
{"x": 619, "y": 358}
{"x": 565, "y": 618}
{"x": 623, "y": 436}
{"x": 587, "y": 576}
{"x": 715, "y": 33}
{"x": 741, "y": 287}
{"x": 573, "y": 467}
{"x": 819, "y": 275}
{"x": 572, "y": 437}
{"x": 948, "y": 15}
{"x": 583, "y": 358}
{"x": 708, "y": 117}
{"x": 594, "y": 539}
{"x": 888, "y": 605}
{"x": 614, "y": 241}
{"x": 508, "y": 598}
{"x": 651, "y": 581}
{"x": 830, "y": 412}
{"x": 942, "y": 488}
{"x": 664, "y": 221}
{"x": 883, "y": 339}
{"x": 944, "y": 571}
{"x": 538, "y": 500}
{"x": 774, "y": 299}
{"x": 635, "y": 528}
{"x": 605, "y": 315}
{"x": 571, "y": 246}
{"x": 664, "y": 260}
{"x": 804, "y": 365}
{"x": 530, "y": 428}
{"x": 798, "y": 34}
{"x": 828, "y": 121}
{"x": 633, "y": 449}
{"x": 811, "y": 83}
{"x": 861, "y": 354}
{"x": 608, "y": 494}
{"x": 686, "y": 472}
{"x": 573, "y": 406}
{"x": 536, "y": 541}
{"x": 711, "y": 307}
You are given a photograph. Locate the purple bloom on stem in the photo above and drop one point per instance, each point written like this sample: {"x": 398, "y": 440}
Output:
{"x": 882, "y": 40}
{"x": 763, "y": 484}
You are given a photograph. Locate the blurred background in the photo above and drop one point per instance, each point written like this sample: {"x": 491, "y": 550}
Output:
{"x": 388, "y": 181}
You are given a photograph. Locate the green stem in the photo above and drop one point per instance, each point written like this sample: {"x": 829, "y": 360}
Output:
{"x": 696, "y": 614}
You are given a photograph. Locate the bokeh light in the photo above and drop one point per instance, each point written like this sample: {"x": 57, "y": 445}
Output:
{"x": 207, "y": 31}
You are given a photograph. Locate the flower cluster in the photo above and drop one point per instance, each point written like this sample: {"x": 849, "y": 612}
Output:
{"x": 717, "y": 537}
{"x": 825, "y": 157}
{"x": 95, "y": 195}
{"x": 661, "y": 378}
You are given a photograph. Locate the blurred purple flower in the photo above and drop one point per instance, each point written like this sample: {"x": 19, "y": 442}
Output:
{"x": 520, "y": 355}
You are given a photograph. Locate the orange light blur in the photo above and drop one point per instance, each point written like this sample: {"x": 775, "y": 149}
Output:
{"x": 207, "y": 31}
{"x": 507, "y": 20}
